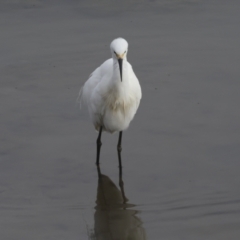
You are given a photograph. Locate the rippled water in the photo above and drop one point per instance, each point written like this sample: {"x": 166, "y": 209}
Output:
{"x": 181, "y": 153}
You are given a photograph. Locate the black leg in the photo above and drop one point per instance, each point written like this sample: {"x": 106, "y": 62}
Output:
{"x": 99, "y": 172}
{"x": 119, "y": 148}
{"x": 99, "y": 144}
{"x": 121, "y": 185}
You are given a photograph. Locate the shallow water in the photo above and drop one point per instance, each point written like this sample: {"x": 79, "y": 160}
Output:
{"x": 181, "y": 153}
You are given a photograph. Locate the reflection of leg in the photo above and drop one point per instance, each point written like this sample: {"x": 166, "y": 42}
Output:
{"x": 119, "y": 148}
{"x": 121, "y": 185}
{"x": 99, "y": 144}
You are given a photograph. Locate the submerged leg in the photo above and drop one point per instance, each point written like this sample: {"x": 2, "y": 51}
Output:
{"x": 99, "y": 172}
{"x": 99, "y": 144}
{"x": 119, "y": 148}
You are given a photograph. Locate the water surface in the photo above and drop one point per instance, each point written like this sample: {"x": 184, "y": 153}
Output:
{"x": 181, "y": 153}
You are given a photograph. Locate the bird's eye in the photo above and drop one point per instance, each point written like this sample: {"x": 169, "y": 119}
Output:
{"x": 115, "y": 52}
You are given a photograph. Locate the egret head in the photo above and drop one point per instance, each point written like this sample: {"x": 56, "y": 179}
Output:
{"x": 119, "y": 48}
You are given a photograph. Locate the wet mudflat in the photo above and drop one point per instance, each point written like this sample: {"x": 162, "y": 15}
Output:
{"x": 181, "y": 153}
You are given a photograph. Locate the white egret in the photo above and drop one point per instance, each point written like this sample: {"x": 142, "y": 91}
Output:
{"x": 112, "y": 94}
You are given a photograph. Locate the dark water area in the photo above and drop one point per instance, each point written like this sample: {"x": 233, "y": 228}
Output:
{"x": 181, "y": 153}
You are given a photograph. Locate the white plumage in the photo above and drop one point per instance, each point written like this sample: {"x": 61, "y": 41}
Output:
{"x": 112, "y": 93}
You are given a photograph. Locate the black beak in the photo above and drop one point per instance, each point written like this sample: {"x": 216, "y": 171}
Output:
{"x": 120, "y": 66}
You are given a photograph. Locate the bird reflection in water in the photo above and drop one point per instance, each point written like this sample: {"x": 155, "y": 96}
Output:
{"x": 115, "y": 218}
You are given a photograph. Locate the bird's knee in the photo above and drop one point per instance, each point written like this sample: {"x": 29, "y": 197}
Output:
{"x": 119, "y": 148}
{"x": 99, "y": 143}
